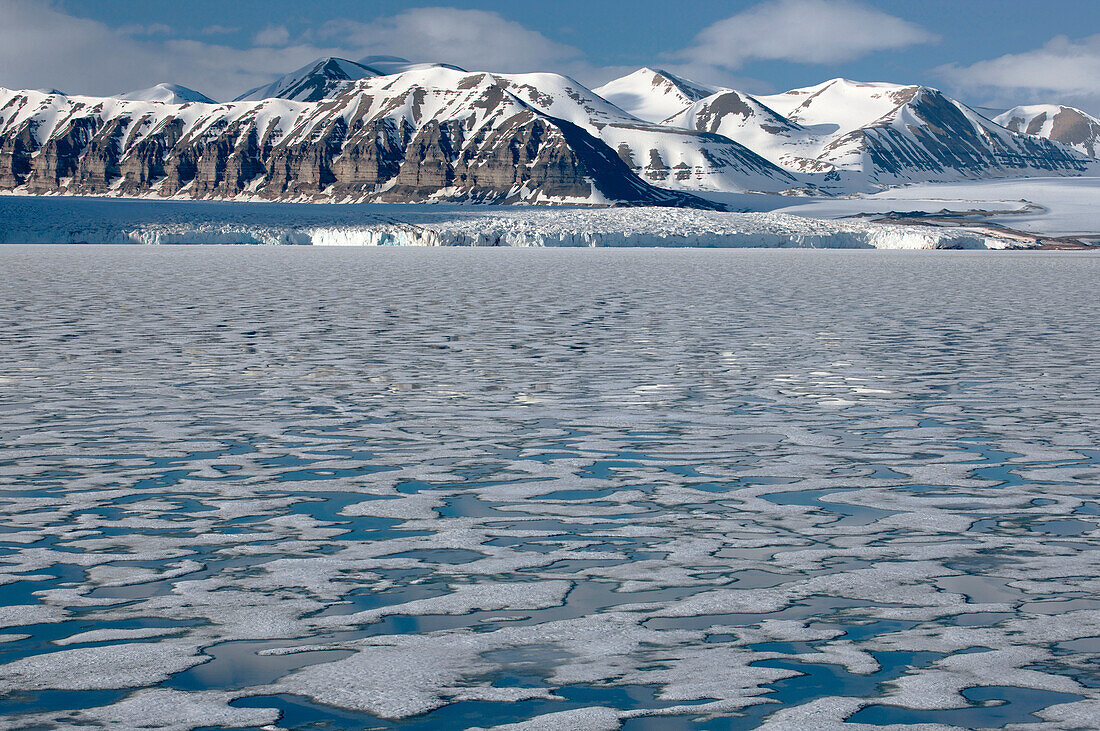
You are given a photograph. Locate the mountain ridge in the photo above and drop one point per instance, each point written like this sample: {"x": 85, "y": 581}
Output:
{"x": 1067, "y": 125}
{"x": 862, "y": 134}
{"x": 317, "y": 80}
{"x": 434, "y": 134}
{"x": 164, "y": 93}
{"x": 396, "y": 130}
{"x": 653, "y": 94}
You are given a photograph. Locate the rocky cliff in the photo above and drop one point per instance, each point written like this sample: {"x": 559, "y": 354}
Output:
{"x": 437, "y": 134}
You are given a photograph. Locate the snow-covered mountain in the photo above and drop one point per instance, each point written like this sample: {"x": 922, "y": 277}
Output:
{"x": 653, "y": 94}
{"x": 386, "y": 65}
{"x": 680, "y": 159}
{"x": 321, "y": 79}
{"x": 742, "y": 118}
{"x": 431, "y": 134}
{"x": 326, "y": 78}
{"x": 845, "y": 104}
{"x": 925, "y": 136}
{"x": 988, "y": 112}
{"x": 862, "y": 135}
{"x": 164, "y": 93}
{"x": 396, "y": 130}
{"x": 1067, "y": 125}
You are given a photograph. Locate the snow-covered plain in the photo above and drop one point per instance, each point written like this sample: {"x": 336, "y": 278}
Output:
{"x": 113, "y": 221}
{"x": 1042, "y": 206}
{"x": 562, "y": 489}
{"x": 1047, "y": 206}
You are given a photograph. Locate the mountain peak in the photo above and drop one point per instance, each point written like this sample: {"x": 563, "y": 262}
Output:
{"x": 167, "y": 94}
{"x": 386, "y": 65}
{"x": 653, "y": 94}
{"x": 1068, "y": 125}
{"x": 317, "y": 80}
{"x": 843, "y": 102}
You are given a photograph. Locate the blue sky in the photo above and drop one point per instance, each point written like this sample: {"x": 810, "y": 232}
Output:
{"x": 983, "y": 51}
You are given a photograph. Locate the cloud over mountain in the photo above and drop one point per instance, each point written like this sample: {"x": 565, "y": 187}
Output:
{"x": 1063, "y": 68}
{"x": 804, "y": 31}
{"x": 469, "y": 38}
{"x": 43, "y": 46}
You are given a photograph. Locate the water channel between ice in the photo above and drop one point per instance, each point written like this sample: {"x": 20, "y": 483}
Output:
{"x": 655, "y": 489}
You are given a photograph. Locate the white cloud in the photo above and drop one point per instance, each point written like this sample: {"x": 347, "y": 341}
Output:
{"x": 41, "y": 46}
{"x": 153, "y": 29}
{"x": 474, "y": 39}
{"x": 804, "y": 31}
{"x": 272, "y": 35}
{"x": 1062, "y": 70}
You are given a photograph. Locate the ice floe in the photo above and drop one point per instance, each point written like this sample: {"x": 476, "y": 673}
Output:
{"x": 240, "y": 485}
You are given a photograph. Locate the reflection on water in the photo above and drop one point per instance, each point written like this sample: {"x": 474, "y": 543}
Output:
{"x": 444, "y": 489}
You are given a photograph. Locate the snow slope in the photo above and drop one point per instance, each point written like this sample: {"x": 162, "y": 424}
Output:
{"x": 839, "y": 103}
{"x": 1057, "y": 206}
{"x": 92, "y": 220}
{"x": 326, "y": 78}
{"x": 386, "y": 65}
{"x": 743, "y": 118}
{"x": 1067, "y": 125}
{"x": 665, "y": 156}
{"x": 166, "y": 94}
{"x": 867, "y": 135}
{"x": 653, "y": 94}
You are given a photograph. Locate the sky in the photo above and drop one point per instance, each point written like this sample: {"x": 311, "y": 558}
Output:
{"x": 996, "y": 53}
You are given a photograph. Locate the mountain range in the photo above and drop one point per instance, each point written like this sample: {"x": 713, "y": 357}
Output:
{"x": 385, "y": 129}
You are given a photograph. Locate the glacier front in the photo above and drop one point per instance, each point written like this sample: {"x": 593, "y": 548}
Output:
{"x": 66, "y": 220}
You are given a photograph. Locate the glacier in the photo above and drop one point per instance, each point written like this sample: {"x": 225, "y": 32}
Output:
{"x": 68, "y": 220}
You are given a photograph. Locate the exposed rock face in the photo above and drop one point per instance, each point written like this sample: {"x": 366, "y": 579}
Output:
{"x": 433, "y": 135}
